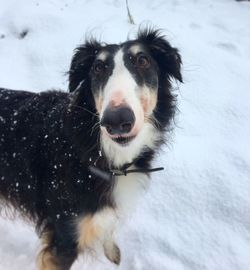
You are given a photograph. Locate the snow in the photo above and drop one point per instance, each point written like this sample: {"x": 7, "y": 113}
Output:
{"x": 196, "y": 214}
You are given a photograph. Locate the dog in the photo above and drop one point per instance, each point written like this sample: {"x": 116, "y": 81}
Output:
{"x": 74, "y": 163}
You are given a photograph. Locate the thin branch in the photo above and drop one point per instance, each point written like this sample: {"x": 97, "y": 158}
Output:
{"x": 130, "y": 18}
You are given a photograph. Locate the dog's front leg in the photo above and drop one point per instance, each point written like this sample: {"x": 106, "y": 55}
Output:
{"x": 99, "y": 228}
{"x": 51, "y": 260}
{"x": 112, "y": 251}
{"x": 59, "y": 250}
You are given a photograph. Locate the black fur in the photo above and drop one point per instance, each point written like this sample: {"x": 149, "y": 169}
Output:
{"x": 47, "y": 142}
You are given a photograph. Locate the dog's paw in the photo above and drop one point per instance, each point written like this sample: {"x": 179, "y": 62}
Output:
{"x": 112, "y": 252}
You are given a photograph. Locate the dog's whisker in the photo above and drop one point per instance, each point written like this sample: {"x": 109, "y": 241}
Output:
{"x": 95, "y": 127}
{"x": 85, "y": 109}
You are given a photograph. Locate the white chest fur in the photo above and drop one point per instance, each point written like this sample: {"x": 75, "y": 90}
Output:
{"x": 127, "y": 190}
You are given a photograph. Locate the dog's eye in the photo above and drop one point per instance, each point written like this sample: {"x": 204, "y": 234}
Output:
{"x": 142, "y": 61}
{"x": 99, "y": 67}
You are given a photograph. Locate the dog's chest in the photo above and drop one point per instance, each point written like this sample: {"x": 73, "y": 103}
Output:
{"x": 102, "y": 224}
{"x": 127, "y": 190}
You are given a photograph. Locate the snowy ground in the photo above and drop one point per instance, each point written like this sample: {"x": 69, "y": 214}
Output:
{"x": 196, "y": 214}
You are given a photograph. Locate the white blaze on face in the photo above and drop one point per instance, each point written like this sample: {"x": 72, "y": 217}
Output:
{"x": 122, "y": 88}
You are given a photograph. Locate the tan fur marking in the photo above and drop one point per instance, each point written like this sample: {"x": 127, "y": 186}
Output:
{"x": 153, "y": 101}
{"x": 103, "y": 56}
{"x": 148, "y": 101}
{"x": 98, "y": 102}
{"x": 135, "y": 49}
{"x": 88, "y": 232}
{"x": 46, "y": 260}
{"x": 96, "y": 228}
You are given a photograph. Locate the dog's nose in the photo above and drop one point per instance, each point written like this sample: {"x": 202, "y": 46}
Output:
{"x": 118, "y": 120}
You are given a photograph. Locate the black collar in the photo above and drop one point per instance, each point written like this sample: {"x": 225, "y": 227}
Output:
{"x": 109, "y": 174}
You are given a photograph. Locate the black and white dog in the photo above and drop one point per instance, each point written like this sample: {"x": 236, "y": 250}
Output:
{"x": 74, "y": 163}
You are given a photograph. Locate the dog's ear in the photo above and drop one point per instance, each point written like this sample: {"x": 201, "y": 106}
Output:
{"x": 81, "y": 63}
{"x": 167, "y": 57}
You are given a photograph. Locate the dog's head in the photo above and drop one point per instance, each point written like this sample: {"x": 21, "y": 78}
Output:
{"x": 129, "y": 84}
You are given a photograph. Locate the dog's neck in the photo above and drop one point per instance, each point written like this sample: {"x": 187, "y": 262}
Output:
{"x": 108, "y": 175}
{"x": 109, "y": 172}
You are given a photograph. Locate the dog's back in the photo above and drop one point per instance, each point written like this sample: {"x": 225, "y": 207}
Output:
{"x": 15, "y": 172}
{"x": 23, "y": 126}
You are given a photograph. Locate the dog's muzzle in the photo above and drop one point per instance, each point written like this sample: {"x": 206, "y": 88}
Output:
{"x": 118, "y": 120}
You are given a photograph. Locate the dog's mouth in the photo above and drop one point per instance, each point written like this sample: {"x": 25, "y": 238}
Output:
{"x": 123, "y": 141}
